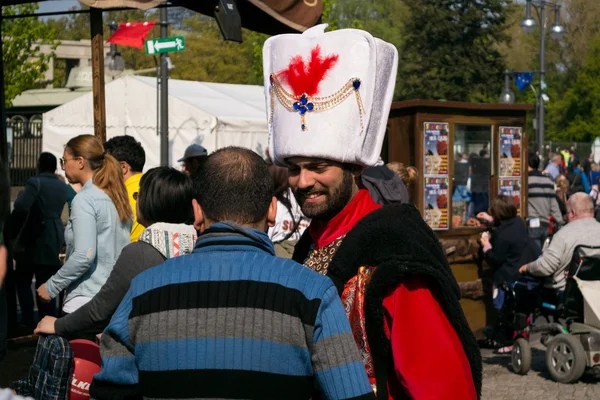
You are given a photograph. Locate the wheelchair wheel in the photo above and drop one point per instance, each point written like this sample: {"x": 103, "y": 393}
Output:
{"x": 521, "y": 356}
{"x": 565, "y": 358}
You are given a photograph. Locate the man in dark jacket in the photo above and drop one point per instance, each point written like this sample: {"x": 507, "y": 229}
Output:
{"x": 39, "y": 208}
{"x": 388, "y": 266}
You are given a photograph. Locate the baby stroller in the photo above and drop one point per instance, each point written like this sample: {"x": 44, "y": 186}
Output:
{"x": 571, "y": 332}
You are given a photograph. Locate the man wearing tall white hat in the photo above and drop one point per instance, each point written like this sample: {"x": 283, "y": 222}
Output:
{"x": 328, "y": 99}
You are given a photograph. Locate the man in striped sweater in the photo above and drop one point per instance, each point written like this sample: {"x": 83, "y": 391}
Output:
{"x": 542, "y": 202}
{"x": 231, "y": 320}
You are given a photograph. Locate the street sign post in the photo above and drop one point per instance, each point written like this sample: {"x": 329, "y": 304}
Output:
{"x": 165, "y": 45}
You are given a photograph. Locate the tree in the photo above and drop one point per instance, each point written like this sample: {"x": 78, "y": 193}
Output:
{"x": 384, "y": 19}
{"x": 256, "y": 41}
{"x": 451, "y": 50}
{"x": 581, "y": 104}
{"x": 24, "y": 64}
{"x": 77, "y": 27}
{"x": 565, "y": 58}
{"x": 209, "y": 58}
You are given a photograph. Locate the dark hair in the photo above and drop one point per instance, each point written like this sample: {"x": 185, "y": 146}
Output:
{"x": 165, "y": 196}
{"x": 472, "y": 157}
{"x": 280, "y": 182}
{"x": 126, "y": 148}
{"x": 234, "y": 185}
{"x": 503, "y": 209}
{"x": 534, "y": 161}
{"x": 47, "y": 162}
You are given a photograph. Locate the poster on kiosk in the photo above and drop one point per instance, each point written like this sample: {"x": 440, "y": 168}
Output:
{"x": 436, "y": 174}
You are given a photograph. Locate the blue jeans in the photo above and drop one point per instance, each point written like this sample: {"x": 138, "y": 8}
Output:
{"x": 539, "y": 234}
{"x": 498, "y": 301}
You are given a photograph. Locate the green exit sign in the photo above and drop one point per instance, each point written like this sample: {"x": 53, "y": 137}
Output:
{"x": 165, "y": 45}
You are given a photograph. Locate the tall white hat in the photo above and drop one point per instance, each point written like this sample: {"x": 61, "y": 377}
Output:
{"x": 328, "y": 94}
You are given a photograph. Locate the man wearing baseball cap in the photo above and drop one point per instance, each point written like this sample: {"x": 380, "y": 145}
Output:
{"x": 328, "y": 98}
{"x": 193, "y": 159}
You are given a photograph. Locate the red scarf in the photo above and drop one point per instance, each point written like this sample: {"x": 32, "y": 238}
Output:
{"x": 325, "y": 232}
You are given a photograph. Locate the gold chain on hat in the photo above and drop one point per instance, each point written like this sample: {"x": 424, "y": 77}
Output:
{"x": 308, "y": 104}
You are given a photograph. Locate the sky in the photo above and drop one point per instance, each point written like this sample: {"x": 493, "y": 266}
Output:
{"x": 57, "y": 5}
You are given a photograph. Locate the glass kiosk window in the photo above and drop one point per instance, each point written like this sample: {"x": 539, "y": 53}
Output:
{"x": 472, "y": 171}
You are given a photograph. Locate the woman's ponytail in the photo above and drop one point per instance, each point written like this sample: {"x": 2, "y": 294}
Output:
{"x": 107, "y": 172}
{"x": 109, "y": 178}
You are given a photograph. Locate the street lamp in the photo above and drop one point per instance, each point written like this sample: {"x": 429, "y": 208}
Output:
{"x": 114, "y": 64}
{"x": 528, "y": 23}
{"x": 557, "y": 31}
{"x": 507, "y": 96}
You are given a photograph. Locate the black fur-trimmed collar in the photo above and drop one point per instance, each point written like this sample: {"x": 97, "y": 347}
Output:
{"x": 397, "y": 241}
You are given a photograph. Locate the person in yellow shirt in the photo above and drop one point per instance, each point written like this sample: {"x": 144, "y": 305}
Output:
{"x": 132, "y": 157}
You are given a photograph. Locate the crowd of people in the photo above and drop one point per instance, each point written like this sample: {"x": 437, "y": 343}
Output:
{"x": 561, "y": 215}
{"x": 302, "y": 274}
{"x": 178, "y": 274}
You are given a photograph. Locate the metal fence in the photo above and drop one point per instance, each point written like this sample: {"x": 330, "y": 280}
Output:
{"x": 582, "y": 149}
{"x": 24, "y": 147}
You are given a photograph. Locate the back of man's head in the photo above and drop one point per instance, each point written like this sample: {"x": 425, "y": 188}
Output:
{"x": 47, "y": 163}
{"x": 126, "y": 149}
{"x": 557, "y": 158}
{"x": 534, "y": 161}
{"x": 581, "y": 205}
{"x": 234, "y": 185}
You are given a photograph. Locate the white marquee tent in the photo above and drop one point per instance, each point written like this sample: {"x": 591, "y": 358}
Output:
{"x": 213, "y": 115}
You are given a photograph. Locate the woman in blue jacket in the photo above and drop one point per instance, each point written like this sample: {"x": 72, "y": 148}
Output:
{"x": 99, "y": 225}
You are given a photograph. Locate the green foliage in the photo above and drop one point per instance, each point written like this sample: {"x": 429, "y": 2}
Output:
{"x": 382, "y": 18}
{"x": 328, "y": 16}
{"x": 209, "y": 58}
{"x": 60, "y": 73}
{"x": 256, "y": 41}
{"x": 77, "y": 27}
{"x": 24, "y": 64}
{"x": 580, "y": 107}
{"x": 450, "y": 50}
{"x": 567, "y": 116}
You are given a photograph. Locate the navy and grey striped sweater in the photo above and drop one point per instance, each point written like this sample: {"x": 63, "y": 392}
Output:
{"x": 230, "y": 321}
{"x": 542, "y": 201}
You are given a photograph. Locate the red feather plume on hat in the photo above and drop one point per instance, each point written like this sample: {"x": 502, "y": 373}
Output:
{"x": 305, "y": 77}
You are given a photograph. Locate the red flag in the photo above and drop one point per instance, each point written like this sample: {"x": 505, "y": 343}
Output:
{"x": 131, "y": 34}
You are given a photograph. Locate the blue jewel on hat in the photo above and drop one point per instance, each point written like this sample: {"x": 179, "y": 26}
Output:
{"x": 356, "y": 84}
{"x": 303, "y": 106}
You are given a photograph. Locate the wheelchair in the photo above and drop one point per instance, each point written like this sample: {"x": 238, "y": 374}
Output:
{"x": 571, "y": 320}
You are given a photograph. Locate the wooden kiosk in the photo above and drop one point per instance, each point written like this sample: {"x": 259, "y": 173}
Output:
{"x": 466, "y": 154}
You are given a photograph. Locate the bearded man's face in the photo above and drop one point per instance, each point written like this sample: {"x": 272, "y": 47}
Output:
{"x": 321, "y": 187}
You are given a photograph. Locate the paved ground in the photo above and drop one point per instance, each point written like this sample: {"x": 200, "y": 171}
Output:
{"x": 500, "y": 383}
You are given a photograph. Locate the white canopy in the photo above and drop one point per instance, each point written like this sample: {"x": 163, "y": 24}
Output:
{"x": 214, "y": 115}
